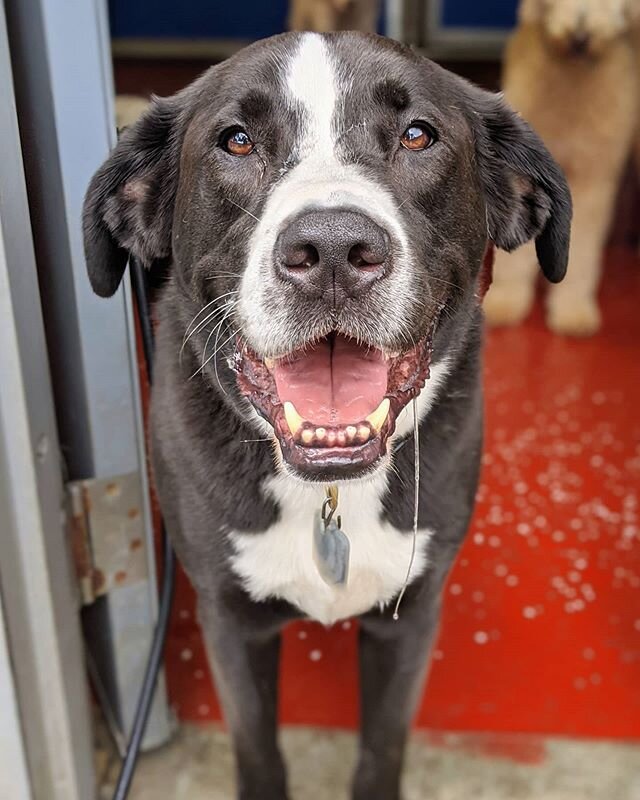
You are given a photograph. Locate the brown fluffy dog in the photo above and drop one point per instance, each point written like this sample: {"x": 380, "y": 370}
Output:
{"x": 571, "y": 70}
{"x": 334, "y": 15}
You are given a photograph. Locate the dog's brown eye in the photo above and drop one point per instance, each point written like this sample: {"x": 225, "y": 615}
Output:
{"x": 416, "y": 137}
{"x": 237, "y": 143}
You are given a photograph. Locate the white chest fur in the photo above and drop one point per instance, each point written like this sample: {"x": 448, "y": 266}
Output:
{"x": 279, "y": 563}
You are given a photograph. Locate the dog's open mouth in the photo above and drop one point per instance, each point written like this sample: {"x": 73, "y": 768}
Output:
{"x": 333, "y": 404}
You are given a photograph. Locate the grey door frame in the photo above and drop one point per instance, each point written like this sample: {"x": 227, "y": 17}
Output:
{"x": 63, "y": 86}
{"x": 14, "y": 774}
{"x": 45, "y": 725}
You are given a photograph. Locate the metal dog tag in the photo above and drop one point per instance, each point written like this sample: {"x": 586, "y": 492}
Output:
{"x": 330, "y": 551}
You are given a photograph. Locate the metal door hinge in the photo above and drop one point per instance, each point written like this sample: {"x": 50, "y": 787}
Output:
{"x": 106, "y": 528}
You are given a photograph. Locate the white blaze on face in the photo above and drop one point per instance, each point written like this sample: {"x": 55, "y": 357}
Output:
{"x": 311, "y": 82}
{"x": 315, "y": 89}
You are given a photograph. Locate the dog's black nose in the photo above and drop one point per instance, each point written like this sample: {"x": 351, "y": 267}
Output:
{"x": 333, "y": 250}
{"x": 579, "y": 43}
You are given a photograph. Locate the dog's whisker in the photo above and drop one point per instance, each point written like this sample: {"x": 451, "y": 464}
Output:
{"x": 447, "y": 283}
{"x": 204, "y": 308}
{"x": 225, "y": 275}
{"x": 209, "y": 319}
{"x": 246, "y": 211}
{"x": 215, "y": 348}
{"x": 203, "y": 323}
{"x": 203, "y": 327}
{"x": 216, "y": 328}
{"x": 214, "y": 354}
{"x": 225, "y": 315}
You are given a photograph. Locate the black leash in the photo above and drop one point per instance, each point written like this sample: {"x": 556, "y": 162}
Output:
{"x": 154, "y": 662}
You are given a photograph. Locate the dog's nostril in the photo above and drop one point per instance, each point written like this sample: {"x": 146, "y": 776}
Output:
{"x": 301, "y": 257}
{"x": 364, "y": 255}
{"x": 580, "y": 43}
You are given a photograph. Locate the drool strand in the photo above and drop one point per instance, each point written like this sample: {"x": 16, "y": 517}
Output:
{"x": 416, "y": 491}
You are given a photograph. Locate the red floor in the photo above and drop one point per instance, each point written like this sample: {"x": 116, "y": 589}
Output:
{"x": 541, "y": 630}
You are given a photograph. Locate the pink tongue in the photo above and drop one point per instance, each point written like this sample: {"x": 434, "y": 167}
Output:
{"x": 333, "y": 386}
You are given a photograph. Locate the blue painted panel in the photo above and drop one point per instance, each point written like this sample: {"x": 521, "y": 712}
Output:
{"x": 200, "y": 19}
{"x": 478, "y": 13}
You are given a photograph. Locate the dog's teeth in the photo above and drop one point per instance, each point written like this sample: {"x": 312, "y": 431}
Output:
{"x": 351, "y": 432}
{"x": 307, "y": 436}
{"x": 269, "y": 364}
{"x": 376, "y": 420}
{"x": 321, "y": 434}
{"x": 331, "y": 438}
{"x": 342, "y": 438}
{"x": 363, "y": 433}
{"x": 294, "y": 420}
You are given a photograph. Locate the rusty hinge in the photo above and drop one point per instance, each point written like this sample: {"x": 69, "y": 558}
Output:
{"x": 106, "y": 527}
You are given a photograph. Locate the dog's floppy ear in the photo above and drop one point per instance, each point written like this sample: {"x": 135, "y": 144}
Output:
{"x": 527, "y": 194}
{"x": 129, "y": 204}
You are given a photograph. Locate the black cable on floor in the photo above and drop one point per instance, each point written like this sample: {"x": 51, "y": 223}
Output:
{"x": 145, "y": 698}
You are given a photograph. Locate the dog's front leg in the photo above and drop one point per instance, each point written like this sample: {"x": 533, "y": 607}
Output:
{"x": 572, "y": 306}
{"x": 512, "y": 292}
{"x": 393, "y": 664}
{"x": 244, "y": 658}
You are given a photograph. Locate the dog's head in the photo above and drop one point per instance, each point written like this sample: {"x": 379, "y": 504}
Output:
{"x": 581, "y": 27}
{"x": 326, "y": 202}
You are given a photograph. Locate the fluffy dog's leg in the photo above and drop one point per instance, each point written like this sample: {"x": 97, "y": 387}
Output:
{"x": 245, "y": 665}
{"x": 510, "y": 297}
{"x": 308, "y": 15}
{"x": 361, "y": 15}
{"x": 572, "y": 307}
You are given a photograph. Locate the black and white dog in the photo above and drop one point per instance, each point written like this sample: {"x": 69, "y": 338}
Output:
{"x": 323, "y": 203}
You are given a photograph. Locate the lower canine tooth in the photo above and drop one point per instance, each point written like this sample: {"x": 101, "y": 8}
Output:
{"x": 294, "y": 420}
{"x": 376, "y": 420}
{"x": 269, "y": 363}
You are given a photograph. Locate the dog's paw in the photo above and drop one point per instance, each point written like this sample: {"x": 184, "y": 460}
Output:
{"x": 507, "y": 305}
{"x": 575, "y": 317}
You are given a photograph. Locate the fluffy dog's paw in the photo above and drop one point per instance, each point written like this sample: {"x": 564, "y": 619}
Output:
{"x": 574, "y": 317}
{"x": 507, "y": 305}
